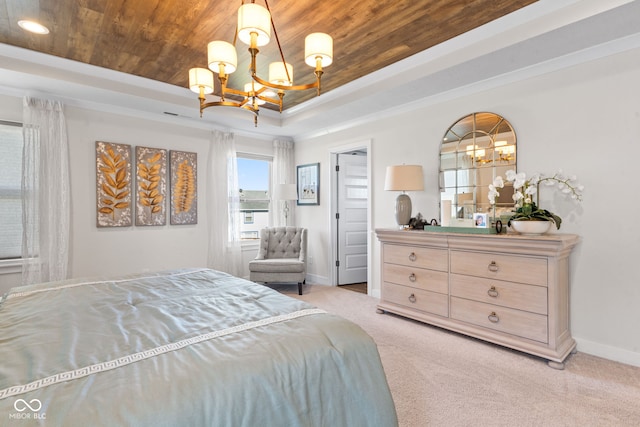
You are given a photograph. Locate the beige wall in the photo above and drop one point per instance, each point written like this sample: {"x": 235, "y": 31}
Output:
{"x": 109, "y": 251}
{"x": 585, "y": 120}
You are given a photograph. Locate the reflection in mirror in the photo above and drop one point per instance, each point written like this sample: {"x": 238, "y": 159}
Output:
{"x": 475, "y": 150}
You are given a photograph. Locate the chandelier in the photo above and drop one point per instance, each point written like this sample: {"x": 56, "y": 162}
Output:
{"x": 254, "y": 29}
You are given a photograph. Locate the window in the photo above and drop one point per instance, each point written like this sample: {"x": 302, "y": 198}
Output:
{"x": 254, "y": 174}
{"x": 10, "y": 190}
{"x": 248, "y": 217}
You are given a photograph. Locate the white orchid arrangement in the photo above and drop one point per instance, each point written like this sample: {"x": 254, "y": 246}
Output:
{"x": 526, "y": 189}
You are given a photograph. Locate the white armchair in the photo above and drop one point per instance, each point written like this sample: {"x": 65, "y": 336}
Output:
{"x": 282, "y": 257}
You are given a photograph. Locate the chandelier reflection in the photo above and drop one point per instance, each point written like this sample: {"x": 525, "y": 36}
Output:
{"x": 499, "y": 151}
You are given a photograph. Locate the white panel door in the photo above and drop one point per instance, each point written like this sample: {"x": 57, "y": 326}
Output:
{"x": 352, "y": 218}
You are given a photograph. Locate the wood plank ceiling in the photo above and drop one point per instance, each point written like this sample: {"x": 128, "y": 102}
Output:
{"x": 162, "y": 39}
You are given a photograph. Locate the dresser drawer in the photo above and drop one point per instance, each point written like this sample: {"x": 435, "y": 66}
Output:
{"x": 515, "y": 322}
{"x": 507, "y": 294}
{"x": 431, "y": 258}
{"x": 429, "y": 280}
{"x": 417, "y": 299}
{"x": 500, "y": 266}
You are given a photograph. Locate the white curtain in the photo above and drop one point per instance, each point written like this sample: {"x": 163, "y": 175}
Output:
{"x": 283, "y": 172}
{"x": 46, "y": 200}
{"x": 223, "y": 205}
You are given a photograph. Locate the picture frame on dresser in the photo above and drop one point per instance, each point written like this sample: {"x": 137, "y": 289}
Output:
{"x": 480, "y": 220}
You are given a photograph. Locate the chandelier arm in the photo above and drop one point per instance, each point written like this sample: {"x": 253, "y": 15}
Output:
{"x": 282, "y": 87}
{"x": 232, "y": 91}
{"x": 243, "y": 105}
{"x": 222, "y": 104}
{"x": 275, "y": 33}
{"x": 268, "y": 99}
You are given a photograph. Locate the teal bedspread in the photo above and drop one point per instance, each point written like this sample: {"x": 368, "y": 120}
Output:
{"x": 192, "y": 347}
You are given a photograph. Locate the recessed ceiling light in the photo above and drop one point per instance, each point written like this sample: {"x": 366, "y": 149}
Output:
{"x": 33, "y": 27}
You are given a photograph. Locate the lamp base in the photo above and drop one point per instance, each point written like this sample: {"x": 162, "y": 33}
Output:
{"x": 403, "y": 210}
{"x": 286, "y": 213}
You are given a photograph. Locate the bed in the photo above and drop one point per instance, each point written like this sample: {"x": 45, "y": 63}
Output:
{"x": 190, "y": 347}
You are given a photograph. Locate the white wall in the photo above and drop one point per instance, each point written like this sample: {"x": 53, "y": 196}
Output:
{"x": 123, "y": 250}
{"x": 112, "y": 250}
{"x": 585, "y": 120}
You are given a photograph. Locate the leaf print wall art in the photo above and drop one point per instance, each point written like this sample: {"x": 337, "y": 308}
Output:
{"x": 184, "y": 196}
{"x": 113, "y": 184}
{"x": 151, "y": 186}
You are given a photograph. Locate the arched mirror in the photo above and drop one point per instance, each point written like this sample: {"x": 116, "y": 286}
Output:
{"x": 475, "y": 150}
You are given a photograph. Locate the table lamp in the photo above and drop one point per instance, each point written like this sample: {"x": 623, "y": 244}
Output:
{"x": 286, "y": 192}
{"x": 404, "y": 178}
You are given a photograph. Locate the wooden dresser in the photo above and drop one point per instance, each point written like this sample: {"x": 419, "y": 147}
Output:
{"x": 511, "y": 290}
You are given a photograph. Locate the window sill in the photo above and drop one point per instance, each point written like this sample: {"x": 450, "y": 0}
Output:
{"x": 250, "y": 244}
{"x": 10, "y": 266}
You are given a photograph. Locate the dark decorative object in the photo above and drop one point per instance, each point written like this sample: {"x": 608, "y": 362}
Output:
{"x": 419, "y": 223}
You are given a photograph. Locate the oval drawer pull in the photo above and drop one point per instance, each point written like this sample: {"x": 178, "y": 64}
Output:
{"x": 492, "y": 292}
{"x": 493, "y": 267}
{"x": 412, "y": 256}
{"x": 412, "y": 298}
{"x": 412, "y": 277}
{"x": 493, "y": 317}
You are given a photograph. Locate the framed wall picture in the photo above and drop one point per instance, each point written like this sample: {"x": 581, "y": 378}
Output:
{"x": 113, "y": 184}
{"x": 151, "y": 186}
{"x": 308, "y": 184}
{"x": 184, "y": 189}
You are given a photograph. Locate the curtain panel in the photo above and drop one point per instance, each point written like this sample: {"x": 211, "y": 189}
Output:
{"x": 46, "y": 199}
{"x": 223, "y": 206}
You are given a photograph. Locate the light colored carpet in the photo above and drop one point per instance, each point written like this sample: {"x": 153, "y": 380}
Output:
{"x": 440, "y": 378}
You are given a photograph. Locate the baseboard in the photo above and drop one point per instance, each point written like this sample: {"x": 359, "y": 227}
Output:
{"x": 314, "y": 279}
{"x": 608, "y": 352}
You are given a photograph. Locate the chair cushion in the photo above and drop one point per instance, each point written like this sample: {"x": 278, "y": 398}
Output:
{"x": 277, "y": 265}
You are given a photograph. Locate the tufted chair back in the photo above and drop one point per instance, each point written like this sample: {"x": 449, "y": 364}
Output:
{"x": 283, "y": 242}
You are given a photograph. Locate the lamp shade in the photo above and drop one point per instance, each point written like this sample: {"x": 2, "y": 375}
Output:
{"x": 253, "y": 18}
{"x": 318, "y": 45}
{"x": 201, "y": 78}
{"x": 404, "y": 178}
{"x": 278, "y": 73}
{"x": 221, "y": 52}
{"x": 286, "y": 192}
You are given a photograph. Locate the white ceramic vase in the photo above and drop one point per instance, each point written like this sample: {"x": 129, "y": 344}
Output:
{"x": 531, "y": 228}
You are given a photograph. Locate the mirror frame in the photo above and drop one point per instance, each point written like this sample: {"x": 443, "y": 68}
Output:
{"x": 473, "y": 151}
